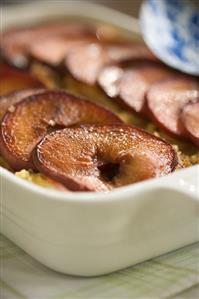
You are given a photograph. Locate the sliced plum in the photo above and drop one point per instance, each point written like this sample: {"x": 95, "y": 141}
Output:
{"x": 136, "y": 81}
{"x": 110, "y": 76}
{"x": 86, "y": 61}
{"x": 166, "y": 99}
{"x": 51, "y": 51}
{"x": 7, "y": 102}
{"x": 190, "y": 120}
{"x": 12, "y": 79}
{"x": 17, "y": 42}
{"x": 29, "y": 121}
{"x": 102, "y": 157}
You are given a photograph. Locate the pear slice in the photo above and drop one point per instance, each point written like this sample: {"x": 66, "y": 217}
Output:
{"x": 29, "y": 121}
{"x": 190, "y": 120}
{"x": 12, "y": 79}
{"x": 7, "y": 102}
{"x": 166, "y": 99}
{"x": 103, "y": 157}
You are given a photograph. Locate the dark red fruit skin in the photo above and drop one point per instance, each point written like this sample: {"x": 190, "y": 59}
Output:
{"x": 7, "y": 101}
{"x": 145, "y": 76}
{"x": 52, "y": 51}
{"x": 16, "y": 42}
{"x": 11, "y": 159}
{"x": 76, "y": 183}
{"x": 140, "y": 69}
{"x": 192, "y": 133}
{"x": 179, "y": 132}
{"x": 12, "y": 79}
{"x": 38, "y": 125}
{"x": 85, "y": 62}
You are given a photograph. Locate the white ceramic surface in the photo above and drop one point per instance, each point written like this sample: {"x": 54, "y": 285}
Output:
{"x": 96, "y": 233}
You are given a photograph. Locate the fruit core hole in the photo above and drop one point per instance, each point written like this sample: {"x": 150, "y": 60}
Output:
{"x": 55, "y": 127}
{"x": 109, "y": 170}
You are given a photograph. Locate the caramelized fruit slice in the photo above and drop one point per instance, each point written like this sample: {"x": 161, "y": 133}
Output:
{"x": 109, "y": 78}
{"x": 16, "y": 43}
{"x": 86, "y": 61}
{"x": 190, "y": 120}
{"x": 7, "y": 102}
{"x": 36, "y": 115}
{"x": 12, "y": 79}
{"x": 52, "y": 51}
{"x": 137, "y": 80}
{"x": 166, "y": 99}
{"x": 99, "y": 158}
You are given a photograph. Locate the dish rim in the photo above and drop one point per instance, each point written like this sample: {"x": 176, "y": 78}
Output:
{"x": 169, "y": 181}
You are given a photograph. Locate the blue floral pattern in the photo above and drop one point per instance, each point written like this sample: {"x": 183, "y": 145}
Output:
{"x": 171, "y": 29}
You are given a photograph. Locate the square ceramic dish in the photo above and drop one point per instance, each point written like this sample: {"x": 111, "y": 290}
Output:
{"x": 96, "y": 233}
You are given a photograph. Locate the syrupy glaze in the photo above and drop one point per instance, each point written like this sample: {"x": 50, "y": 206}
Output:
{"x": 188, "y": 153}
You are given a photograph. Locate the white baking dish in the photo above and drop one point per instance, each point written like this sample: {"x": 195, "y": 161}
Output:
{"x": 96, "y": 233}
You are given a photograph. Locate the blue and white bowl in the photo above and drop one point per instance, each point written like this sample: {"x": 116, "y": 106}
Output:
{"x": 170, "y": 28}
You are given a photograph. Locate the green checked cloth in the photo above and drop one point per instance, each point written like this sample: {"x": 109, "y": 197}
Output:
{"x": 174, "y": 275}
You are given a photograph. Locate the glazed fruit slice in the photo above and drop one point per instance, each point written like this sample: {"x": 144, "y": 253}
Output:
{"x": 109, "y": 78}
{"x": 12, "y": 79}
{"x": 86, "y": 61}
{"x": 111, "y": 75}
{"x": 166, "y": 99}
{"x": 136, "y": 81}
{"x": 190, "y": 120}
{"x": 7, "y": 102}
{"x": 36, "y": 115}
{"x": 99, "y": 158}
{"x": 52, "y": 51}
{"x": 16, "y": 43}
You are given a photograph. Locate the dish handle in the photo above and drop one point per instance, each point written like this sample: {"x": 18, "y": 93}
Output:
{"x": 186, "y": 181}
